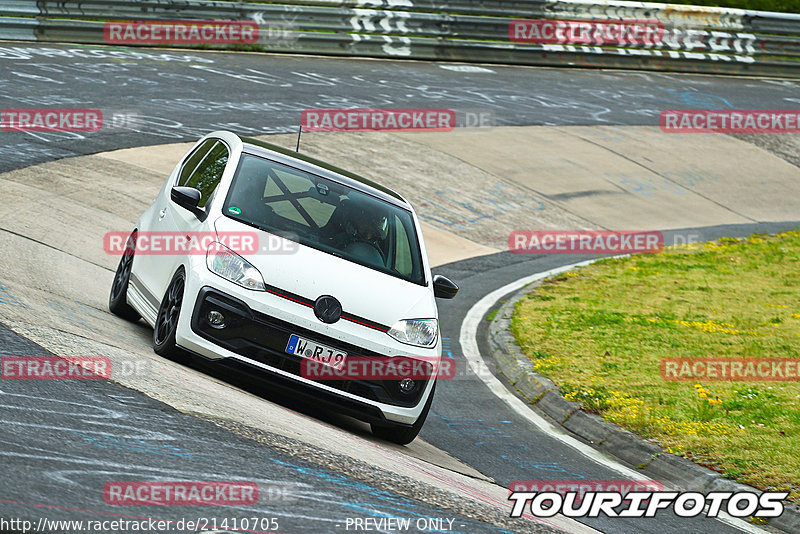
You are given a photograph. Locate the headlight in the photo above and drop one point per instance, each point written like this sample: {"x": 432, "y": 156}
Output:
{"x": 233, "y": 267}
{"x": 417, "y": 332}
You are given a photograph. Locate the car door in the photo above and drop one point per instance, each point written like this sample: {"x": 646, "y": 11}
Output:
{"x": 203, "y": 170}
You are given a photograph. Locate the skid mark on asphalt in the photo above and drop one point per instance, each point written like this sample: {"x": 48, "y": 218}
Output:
{"x": 139, "y": 445}
{"x": 452, "y": 211}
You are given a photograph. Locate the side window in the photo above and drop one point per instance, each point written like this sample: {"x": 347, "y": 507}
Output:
{"x": 192, "y": 161}
{"x": 208, "y": 172}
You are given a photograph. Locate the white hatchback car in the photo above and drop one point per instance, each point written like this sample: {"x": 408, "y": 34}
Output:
{"x": 357, "y": 284}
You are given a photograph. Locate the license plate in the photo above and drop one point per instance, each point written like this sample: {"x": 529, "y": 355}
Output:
{"x": 314, "y": 351}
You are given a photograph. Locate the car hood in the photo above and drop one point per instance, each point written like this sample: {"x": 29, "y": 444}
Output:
{"x": 310, "y": 273}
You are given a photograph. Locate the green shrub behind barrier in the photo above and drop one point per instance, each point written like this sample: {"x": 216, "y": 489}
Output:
{"x": 786, "y": 6}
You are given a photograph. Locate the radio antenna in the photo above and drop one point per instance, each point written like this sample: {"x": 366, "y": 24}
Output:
{"x": 299, "y": 131}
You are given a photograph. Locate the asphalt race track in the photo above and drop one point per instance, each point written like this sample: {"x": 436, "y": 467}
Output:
{"x": 67, "y": 439}
{"x": 181, "y": 95}
{"x": 62, "y": 441}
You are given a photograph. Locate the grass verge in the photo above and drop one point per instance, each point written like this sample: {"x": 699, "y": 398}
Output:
{"x": 787, "y": 6}
{"x": 600, "y": 334}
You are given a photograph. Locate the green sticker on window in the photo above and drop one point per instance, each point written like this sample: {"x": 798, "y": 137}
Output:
{"x": 234, "y": 210}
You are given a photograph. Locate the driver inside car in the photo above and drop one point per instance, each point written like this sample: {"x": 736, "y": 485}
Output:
{"x": 364, "y": 234}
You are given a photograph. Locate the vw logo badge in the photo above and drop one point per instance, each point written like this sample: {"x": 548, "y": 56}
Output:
{"x": 327, "y": 309}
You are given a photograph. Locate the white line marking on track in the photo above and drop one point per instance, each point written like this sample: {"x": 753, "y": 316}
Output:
{"x": 466, "y": 68}
{"x": 469, "y": 347}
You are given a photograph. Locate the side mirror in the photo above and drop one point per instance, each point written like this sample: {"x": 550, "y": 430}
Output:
{"x": 188, "y": 198}
{"x": 443, "y": 287}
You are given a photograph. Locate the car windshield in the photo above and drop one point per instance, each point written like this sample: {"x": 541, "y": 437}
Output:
{"x": 325, "y": 215}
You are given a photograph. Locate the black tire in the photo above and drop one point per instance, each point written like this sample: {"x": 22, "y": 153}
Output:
{"x": 403, "y": 435}
{"x": 169, "y": 312}
{"x": 117, "y": 298}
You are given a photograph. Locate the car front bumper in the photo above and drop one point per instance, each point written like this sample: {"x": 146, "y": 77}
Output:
{"x": 254, "y": 335}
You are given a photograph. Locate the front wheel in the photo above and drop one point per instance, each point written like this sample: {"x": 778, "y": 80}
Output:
{"x": 166, "y": 326}
{"x": 118, "y": 298}
{"x": 403, "y": 435}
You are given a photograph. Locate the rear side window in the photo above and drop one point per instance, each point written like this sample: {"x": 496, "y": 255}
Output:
{"x": 193, "y": 160}
{"x": 208, "y": 172}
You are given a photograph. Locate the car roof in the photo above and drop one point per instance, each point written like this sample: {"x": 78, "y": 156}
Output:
{"x": 325, "y": 170}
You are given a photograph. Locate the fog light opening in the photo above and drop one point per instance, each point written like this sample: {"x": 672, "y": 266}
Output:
{"x": 216, "y": 319}
{"x": 407, "y": 385}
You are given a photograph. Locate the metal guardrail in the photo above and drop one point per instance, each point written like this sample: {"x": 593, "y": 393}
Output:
{"x": 693, "y": 39}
